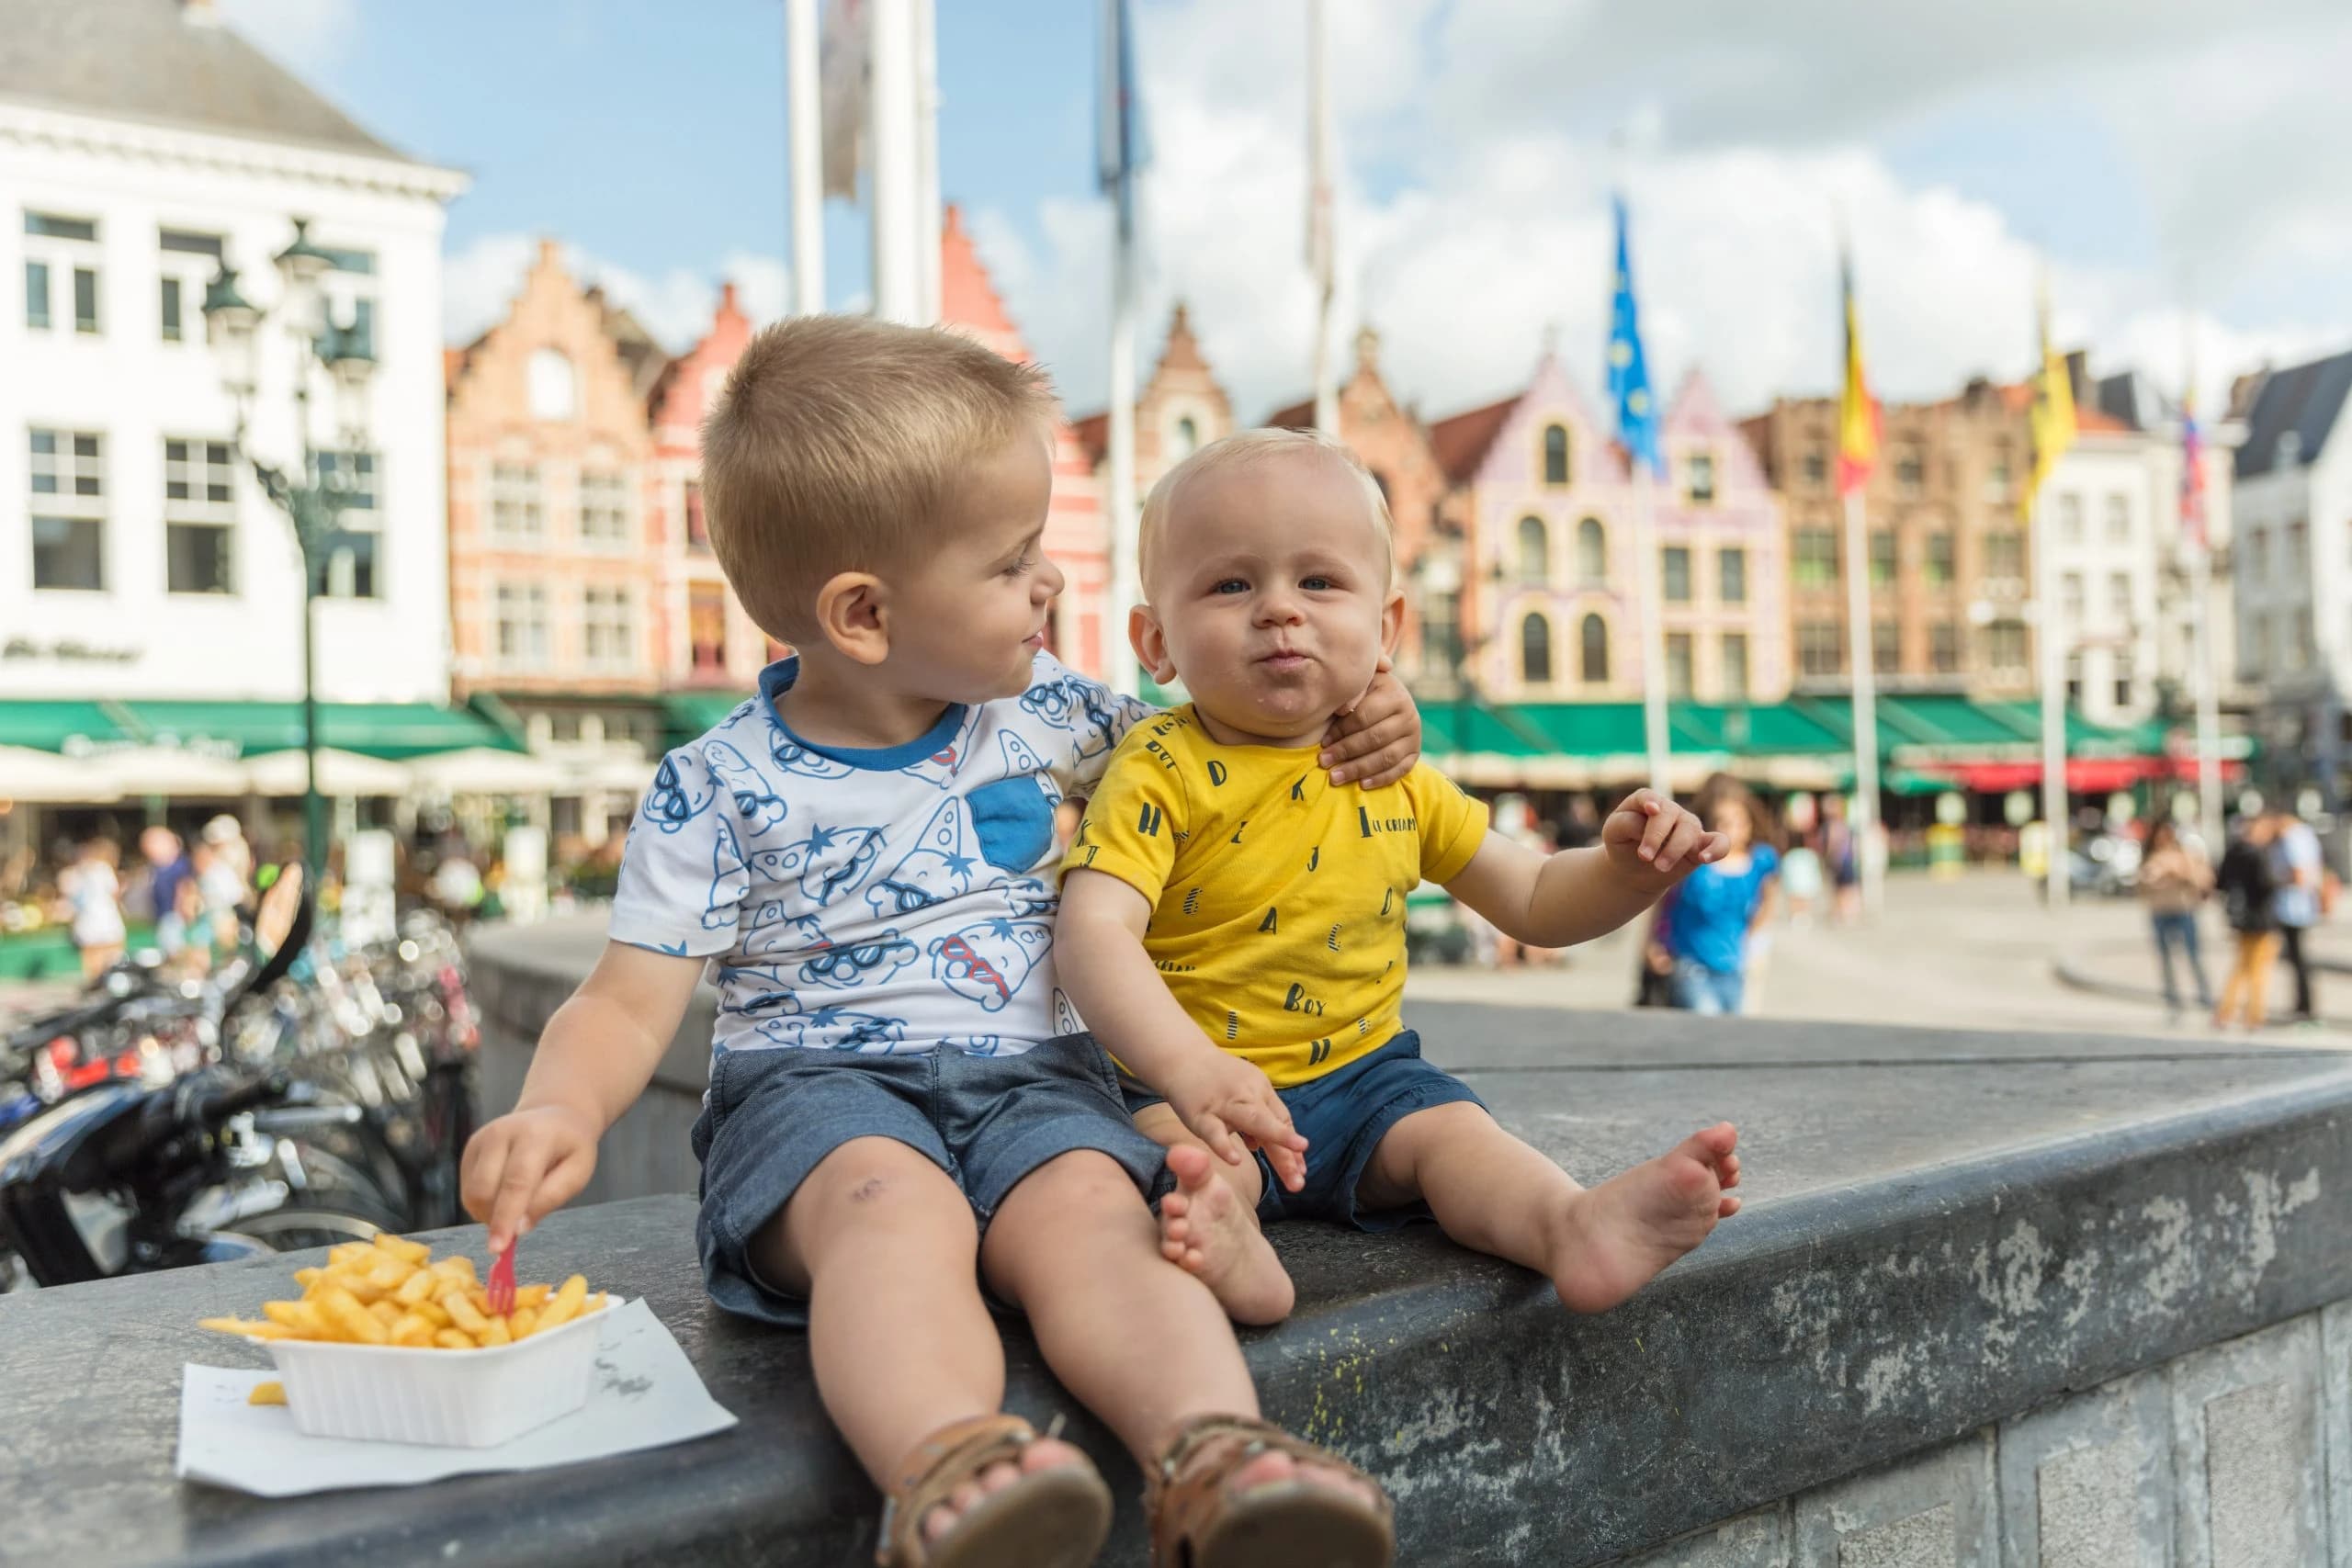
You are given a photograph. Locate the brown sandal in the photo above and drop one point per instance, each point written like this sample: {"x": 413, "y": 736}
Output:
{"x": 1196, "y": 1523}
{"x": 1052, "y": 1518}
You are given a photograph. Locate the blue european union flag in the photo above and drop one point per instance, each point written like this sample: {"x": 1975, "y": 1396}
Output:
{"x": 1629, "y": 374}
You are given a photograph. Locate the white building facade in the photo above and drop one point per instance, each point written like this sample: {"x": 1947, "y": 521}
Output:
{"x": 138, "y": 557}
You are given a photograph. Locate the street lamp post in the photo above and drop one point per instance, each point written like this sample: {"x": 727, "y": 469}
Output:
{"x": 312, "y": 497}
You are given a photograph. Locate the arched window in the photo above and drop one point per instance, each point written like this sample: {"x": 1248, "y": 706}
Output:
{"x": 1534, "y": 551}
{"x": 1595, "y": 638}
{"x": 1535, "y": 650}
{"x": 1556, "y": 454}
{"x": 1592, "y": 550}
{"x": 1188, "y": 437}
{"x": 553, "y": 393}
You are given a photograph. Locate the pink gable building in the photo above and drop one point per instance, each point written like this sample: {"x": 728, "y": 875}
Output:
{"x": 705, "y": 639}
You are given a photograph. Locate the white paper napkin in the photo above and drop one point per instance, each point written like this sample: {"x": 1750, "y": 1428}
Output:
{"x": 646, "y": 1395}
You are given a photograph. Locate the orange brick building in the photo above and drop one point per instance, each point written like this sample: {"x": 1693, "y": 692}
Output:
{"x": 705, "y": 639}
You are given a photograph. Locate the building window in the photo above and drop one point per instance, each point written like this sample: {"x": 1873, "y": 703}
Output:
{"x": 1556, "y": 455}
{"x": 352, "y": 543}
{"x": 1821, "y": 648}
{"x": 2069, "y": 519}
{"x": 2070, "y": 598}
{"x": 554, "y": 390}
{"x": 1816, "y": 558}
{"x": 603, "y": 509}
{"x": 2124, "y": 682}
{"x": 522, "y": 612}
{"x": 200, "y": 517}
{"x": 1677, "y": 664}
{"x": 1534, "y": 551}
{"x": 1881, "y": 557}
{"x": 2295, "y": 550}
{"x": 2074, "y": 680}
{"x": 1731, "y": 575}
{"x": 1188, "y": 437}
{"x": 1674, "y": 573}
{"x": 68, "y": 481}
{"x": 1735, "y": 666}
{"x": 1592, "y": 550}
{"x": 608, "y": 628}
{"x": 1937, "y": 565}
{"x": 698, "y": 527}
{"x": 185, "y": 262}
{"x": 55, "y": 245}
{"x": 2118, "y": 598}
{"x": 1816, "y": 467}
{"x": 1442, "y": 632}
{"x": 1701, "y": 478}
{"x": 2301, "y": 655}
{"x": 1910, "y": 472}
{"x": 2004, "y": 556}
{"x": 1535, "y": 650}
{"x": 2005, "y": 646}
{"x": 1943, "y": 649}
{"x": 2118, "y": 519}
{"x": 1593, "y": 651}
{"x": 707, "y": 628}
{"x": 37, "y": 296}
{"x": 1996, "y": 477}
{"x": 171, "y": 310}
{"x": 2257, "y": 556}
{"x": 1886, "y": 645}
{"x": 515, "y": 501}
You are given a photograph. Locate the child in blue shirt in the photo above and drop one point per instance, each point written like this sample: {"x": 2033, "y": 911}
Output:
{"x": 904, "y": 1118}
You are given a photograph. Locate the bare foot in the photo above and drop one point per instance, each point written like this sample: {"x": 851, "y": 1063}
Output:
{"x": 1612, "y": 1239}
{"x": 1045, "y": 1453}
{"x": 1206, "y": 1230}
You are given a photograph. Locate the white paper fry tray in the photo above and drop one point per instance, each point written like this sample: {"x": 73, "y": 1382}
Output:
{"x": 453, "y": 1398}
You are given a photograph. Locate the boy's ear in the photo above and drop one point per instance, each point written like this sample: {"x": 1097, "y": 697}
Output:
{"x": 853, "y": 614}
{"x": 1150, "y": 643}
{"x": 1392, "y": 622}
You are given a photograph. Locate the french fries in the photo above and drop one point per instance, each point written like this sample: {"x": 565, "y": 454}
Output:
{"x": 266, "y": 1393}
{"x": 392, "y": 1292}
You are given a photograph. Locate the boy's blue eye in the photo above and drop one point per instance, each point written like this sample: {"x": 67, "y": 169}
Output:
{"x": 1231, "y": 585}
{"x": 1316, "y": 584}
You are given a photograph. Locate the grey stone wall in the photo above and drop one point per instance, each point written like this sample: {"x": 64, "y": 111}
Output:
{"x": 2236, "y": 1456}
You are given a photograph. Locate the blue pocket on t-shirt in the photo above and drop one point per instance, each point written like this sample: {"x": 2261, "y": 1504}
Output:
{"x": 1013, "y": 821}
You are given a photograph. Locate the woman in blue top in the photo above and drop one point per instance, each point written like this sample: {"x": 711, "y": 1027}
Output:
{"x": 1699, "y": 935}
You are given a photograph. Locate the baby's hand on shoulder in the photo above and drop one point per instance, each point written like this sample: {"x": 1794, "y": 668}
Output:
{"x": 1650, "y": 839}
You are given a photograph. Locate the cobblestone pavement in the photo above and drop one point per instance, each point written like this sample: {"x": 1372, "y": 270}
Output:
{"x": 1975, "y": 951}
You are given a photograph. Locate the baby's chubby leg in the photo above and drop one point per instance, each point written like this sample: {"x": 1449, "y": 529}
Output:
{"x": 1209, "y": 1224}
{"x": 882, "y": 1244}
{"x": 1599, "y": 1244}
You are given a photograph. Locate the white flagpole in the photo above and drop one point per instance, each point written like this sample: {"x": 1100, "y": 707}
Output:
{"x": 927, "y": 204}
{"x": 2053, "y": 703}
{"x": 1864, "y": 656}
{"x": 1117, "y": 148}
{"x": 2200, "y": 622}
{"x": 1645, "y": 530}
{"x": 897, "y": 174}
{"x": 1323, "y": 234}
{"x": 807, "y": 131}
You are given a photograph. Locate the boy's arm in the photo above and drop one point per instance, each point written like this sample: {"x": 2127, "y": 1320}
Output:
{"x": 1648, "y": 844}
{"x": 1099, "y": 958}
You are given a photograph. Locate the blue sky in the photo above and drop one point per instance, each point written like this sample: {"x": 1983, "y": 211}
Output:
{"x": 2192, "y": 159}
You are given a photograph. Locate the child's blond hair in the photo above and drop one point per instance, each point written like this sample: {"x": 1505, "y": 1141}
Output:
{"x": 837, "y": 446}
{"x": 1244, "y": 450}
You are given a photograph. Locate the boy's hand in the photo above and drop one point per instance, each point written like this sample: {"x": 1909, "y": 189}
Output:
{"x": 1651, "y": 837}
{"x": 526, "y": 1166}
{"x": 1231, "y": 1106}
{"x": 1376, "y": 739}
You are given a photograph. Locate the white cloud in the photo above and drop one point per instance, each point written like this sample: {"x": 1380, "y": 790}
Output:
{"x": 309, "y": 38}
{"x": 480, "y": 281}
{"x": 1488, "y": 124}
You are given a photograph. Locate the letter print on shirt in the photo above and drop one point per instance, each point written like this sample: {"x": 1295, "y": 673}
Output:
{"x": 755, "y": 801}
{"x": 941, "y": 865}
{"x": 681, "y": 791}
{"x": 989, "y": 962}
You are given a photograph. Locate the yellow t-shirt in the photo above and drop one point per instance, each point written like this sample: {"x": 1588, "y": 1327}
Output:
{"x": 1278, "y": 902}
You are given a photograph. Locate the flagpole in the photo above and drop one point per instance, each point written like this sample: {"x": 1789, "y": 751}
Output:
{"x": 1645, "y": 529}
{"x": 897, "y": 275}
{"x": 1863, "y": 655}
{"x": 2200, "y": 623}
{"x": 928, "y": 210}
{"x": 1324, "y": 239}
{"x": 2053, "y": 704}
{"x": 1118, "y": 159}
{"x": 807, "y": 134}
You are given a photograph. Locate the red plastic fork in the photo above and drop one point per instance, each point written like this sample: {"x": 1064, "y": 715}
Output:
{"x": 500, "y": 1291}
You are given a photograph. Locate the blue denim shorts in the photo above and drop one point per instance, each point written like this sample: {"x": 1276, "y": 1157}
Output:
{"x": 773, "y": 1116}
{"x": 1344, "y": 1116}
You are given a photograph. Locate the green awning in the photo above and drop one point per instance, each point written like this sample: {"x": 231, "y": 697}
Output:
{"x": 393, "y": 731}
{"x": 61, "y": 726}
{"x": 685, "y": 714}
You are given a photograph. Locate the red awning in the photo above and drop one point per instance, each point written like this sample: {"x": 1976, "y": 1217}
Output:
{"x": 2085, "y": 776}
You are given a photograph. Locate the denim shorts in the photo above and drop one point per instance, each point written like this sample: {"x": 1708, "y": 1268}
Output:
{"x": 1344, "y": 1116}
{"x": 773, "y": 1116}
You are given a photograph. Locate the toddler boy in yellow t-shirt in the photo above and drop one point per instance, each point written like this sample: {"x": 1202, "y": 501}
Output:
{"x": 1232, "y": 925}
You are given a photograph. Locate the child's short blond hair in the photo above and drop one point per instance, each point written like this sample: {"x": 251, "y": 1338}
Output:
{"x": 1244, "y": 450}
{"x": 836, "y": 446}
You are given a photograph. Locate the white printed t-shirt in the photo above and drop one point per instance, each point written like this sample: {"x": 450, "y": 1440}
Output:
{"x": 887, "y": 900}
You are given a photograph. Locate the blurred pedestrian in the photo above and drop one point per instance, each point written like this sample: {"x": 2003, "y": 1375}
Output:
{"x": 1841, "y": 857}
{"x": 231, "y": 850}
{"x": 167, "y": 872}
{"x": 1703, "y": 940}
{"x": 2249, "y": 887}
{"x": 2297, "y": 863}
{"x": 2175, "y": 878}
{"x": 92, "y": 894}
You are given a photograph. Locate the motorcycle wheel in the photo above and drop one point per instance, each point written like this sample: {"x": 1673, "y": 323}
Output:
{"x": 298, "y": 1230}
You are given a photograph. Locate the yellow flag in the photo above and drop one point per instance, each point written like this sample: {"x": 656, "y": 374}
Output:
{"x": 1858, "y": 421}
{"x": 2052, "y": 417}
